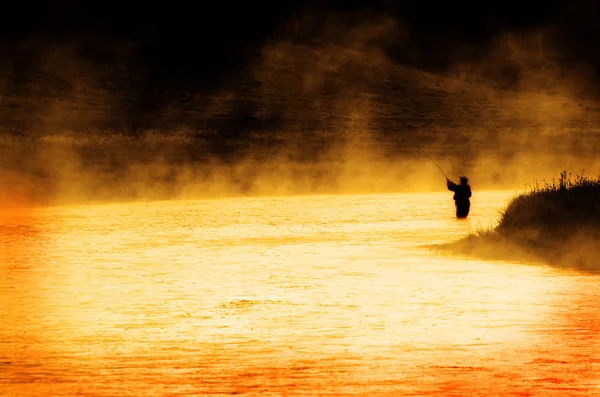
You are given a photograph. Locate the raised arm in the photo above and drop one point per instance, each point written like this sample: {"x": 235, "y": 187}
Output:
{"x": 451, "y": 185}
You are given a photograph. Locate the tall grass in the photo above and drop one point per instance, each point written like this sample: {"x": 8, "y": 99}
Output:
{"x": 556, "y": 205}
{"x": 556, "y": 221}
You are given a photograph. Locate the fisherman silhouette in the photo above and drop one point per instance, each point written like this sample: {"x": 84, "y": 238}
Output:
{"x": 462, "y": 193}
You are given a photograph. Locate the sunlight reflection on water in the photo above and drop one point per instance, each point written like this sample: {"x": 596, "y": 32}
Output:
{"x": 286, "y": 296}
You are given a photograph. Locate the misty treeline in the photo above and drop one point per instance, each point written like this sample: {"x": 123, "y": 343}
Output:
{"x": 133, "y": 67}
{"x": 321, "y": 99}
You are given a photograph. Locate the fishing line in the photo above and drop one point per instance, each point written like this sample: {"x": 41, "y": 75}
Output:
{"x": 436, "y": 164}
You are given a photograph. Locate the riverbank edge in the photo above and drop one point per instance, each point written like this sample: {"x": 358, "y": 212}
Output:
{"x": 580, "y": 251}
{"x": 556, "y": 223}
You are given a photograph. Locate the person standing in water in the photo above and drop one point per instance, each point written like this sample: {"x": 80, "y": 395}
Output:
{"x": 462, "y": 194}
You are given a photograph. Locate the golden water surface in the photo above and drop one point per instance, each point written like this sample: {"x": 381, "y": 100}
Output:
{"x": 319, "y": 295}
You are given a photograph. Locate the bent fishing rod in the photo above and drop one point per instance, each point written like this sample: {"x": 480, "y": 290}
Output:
{"x": 436, "y": 164}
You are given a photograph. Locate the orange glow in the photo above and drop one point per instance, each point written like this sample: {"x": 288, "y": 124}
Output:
{"x": 286, "y": 296}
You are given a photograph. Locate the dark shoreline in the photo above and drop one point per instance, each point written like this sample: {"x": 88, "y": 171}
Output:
{"x": 557, "y": 223}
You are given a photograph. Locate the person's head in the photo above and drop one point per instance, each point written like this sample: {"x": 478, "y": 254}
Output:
{"x": 463, "y": 180}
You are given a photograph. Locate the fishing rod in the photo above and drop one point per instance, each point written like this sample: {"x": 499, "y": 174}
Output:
{"x": 436, "y": 164}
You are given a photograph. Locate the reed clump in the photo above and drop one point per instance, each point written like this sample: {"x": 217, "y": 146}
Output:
{"x": 556, "y": 221}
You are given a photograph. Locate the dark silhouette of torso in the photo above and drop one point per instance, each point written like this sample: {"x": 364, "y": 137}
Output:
{"x": 462, "y": 194}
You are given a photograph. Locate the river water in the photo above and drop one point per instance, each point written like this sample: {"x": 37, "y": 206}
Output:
{"x": 314, "y": 295}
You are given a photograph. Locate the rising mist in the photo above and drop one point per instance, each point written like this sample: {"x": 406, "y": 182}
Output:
{"x": 333, "y": 114}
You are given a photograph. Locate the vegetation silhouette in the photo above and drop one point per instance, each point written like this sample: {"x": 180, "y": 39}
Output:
{"x": 556, "y": 222}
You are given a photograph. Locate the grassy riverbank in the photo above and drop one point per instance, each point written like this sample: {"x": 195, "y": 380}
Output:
{"x": 556, "y": 222}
